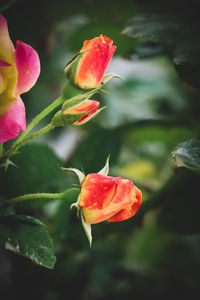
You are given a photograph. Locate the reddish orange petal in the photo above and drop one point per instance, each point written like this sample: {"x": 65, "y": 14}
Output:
{"x": 94, "y": 62}
{"x": 130, "y": 210}
{"x": 121, "y": 199}
{"x": 84, "y": 106}
{"x": 97, "y": 191}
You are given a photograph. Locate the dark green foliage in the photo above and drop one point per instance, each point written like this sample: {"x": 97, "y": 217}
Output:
{"x": 153, "y": 113}
{"x": 187, "y": 154}
{"x": 177, "y": 34}
{"x": 37, "y": 171}
{"x": 28, "y": 237}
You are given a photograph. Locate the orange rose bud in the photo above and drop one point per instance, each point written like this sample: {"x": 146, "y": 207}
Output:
{"x": 81, "y": 113}
{"x": 87, "y": 69}
{"x": 108, "y": 198}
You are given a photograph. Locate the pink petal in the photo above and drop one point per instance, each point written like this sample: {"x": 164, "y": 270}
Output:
{"x": 12, "y": 121}
{"x": 28, "y": 67}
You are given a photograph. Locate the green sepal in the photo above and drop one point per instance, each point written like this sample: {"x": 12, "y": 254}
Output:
{"x": 72, "y": 118}
{"x": 60, "y": 120}
{"x": 78, "y": 99}
{"x": 109, "y": 76}
{"x": 87, "y": 229}
{"x": 105, "y": 169}
{"x": 70, "y": 90}
{"x": 72, "y": 66}
{"x": 81, "y": 175}
{"x": 92, "y": 116}
{"x": 57, "y": 119}
{"x": 7, "y": 163}
{"x": 76, "y": 204}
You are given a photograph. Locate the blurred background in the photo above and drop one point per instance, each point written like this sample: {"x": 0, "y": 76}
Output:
{"x": 156, "y": 253}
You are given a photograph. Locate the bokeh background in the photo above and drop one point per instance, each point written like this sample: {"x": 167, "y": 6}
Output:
{"x": 156, "y": 253}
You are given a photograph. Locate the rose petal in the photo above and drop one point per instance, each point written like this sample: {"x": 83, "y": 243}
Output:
{"x": 89, "y": 105}
{"x": 28, "y": 67}
{"x": 97, "y": 190}
{"x": 2, "y": 81}
{"x": 121, "y": 199}
{"x": 12, "y": 121}
{"x": 6, "y": 45}
{"x": 94, "y": 62}
{"x": 4, "y": 64}
{"x": 130, "y": 210}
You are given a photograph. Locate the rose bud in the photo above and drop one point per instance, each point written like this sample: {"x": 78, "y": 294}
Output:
{"x": 76, "y": 113}
{"x": 87, "y": 68}
{"x": 81, "y": 113}
{"x": 19, "y": 70}
{"x": 108, "y": 198}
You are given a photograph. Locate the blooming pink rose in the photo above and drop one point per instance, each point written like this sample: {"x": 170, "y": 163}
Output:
{"x": 19, "y": 70}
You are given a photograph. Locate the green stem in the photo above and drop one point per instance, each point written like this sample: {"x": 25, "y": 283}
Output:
{"x": 39, "y": 117}
{"x": 69, "y": 194}
{"x": 18, "y": 145}
{"x": 22, "y": 198}
{"x": 68, "y": 92}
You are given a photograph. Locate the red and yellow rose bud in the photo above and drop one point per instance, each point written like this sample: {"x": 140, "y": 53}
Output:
{"x": 108, "y": 198}
{"x": 81, "y": 113}
{"x": 88, "y": 67}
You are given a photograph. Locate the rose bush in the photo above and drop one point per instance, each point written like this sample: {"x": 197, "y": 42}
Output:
{"x": 86, "y": 70}
{"x": 108, "y": 198}
{"x": 19, "y": 70}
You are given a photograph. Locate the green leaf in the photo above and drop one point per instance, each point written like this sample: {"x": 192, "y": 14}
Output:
{"x": 28, "y": 237}
{"x": 8, "y": 210}
{"x": 95, "y": 150}
{"x": 87, "y": 228}
{"x": 187, "y": 154}
{"x": 92, "y": 29}
{"x": 178, "y": 35}
{"x": 37, "y": 171}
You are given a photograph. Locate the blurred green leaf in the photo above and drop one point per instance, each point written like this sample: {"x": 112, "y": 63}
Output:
{"x": 95, "y": 149}
{"x": 37, "y": 171}
{"x": 187, "y": 154}
{"x": 8, "y": 210}
{"x": 62, "y": 217}
{"x": 179, "y": 36}
{"x": 151, "y": 91}
{"x": 113, "y": 31}
{"x": 179, "y": 210}
{"x": 28, "y": 237}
